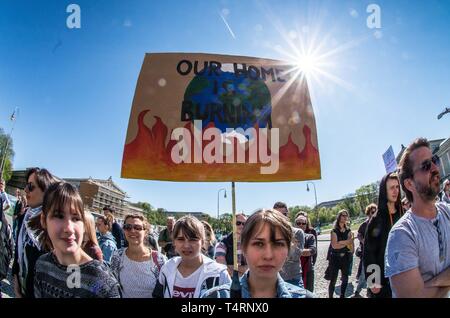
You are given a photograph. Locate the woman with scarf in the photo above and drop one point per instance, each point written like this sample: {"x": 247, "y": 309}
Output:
{"x": 28, "y": 246}
{"x": 389, "y": 212}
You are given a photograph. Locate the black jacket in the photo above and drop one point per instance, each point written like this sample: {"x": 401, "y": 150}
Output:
{"x": 377, "y": 233}
{"x": 228, "y": 241}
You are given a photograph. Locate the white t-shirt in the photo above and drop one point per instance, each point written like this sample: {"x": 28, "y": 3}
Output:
{"x": 184, "y": 287}
{"x": 137, "y": 278}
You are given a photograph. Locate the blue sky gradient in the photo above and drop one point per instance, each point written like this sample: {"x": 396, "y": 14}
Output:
{"x": 75, "y": 87}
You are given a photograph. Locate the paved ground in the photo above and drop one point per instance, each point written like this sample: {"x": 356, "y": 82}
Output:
{"x": 320, "y": 284}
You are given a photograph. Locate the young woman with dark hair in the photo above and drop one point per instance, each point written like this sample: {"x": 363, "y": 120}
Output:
{"x": 68, "y": 271}
{"x": 266, "y": 240}
{"x": 341, "y": 252}
{"x": 191, "y": 273}
{"x": 28, "y": 247}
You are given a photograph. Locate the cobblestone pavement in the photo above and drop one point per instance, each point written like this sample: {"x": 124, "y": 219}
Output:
{"x": 320, "y": 284}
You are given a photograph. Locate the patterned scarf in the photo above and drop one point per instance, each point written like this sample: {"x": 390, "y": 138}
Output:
{"x": 28, "y": 236}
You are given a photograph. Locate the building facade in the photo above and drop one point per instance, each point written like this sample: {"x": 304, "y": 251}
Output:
{"x": 444, "y": 155}
{"x": 97, "y": 194}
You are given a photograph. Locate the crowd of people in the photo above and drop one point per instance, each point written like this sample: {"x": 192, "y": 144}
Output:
{"x": 61, "y": 251}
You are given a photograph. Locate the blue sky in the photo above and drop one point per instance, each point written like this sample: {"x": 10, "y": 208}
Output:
{"x": 74, "y": 87}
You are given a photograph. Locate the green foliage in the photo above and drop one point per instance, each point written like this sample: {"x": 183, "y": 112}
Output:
{"x": 154, "y": 216}
{"x": 294, "y": 210}
{"x": 223, "y": 224}
{"x": 365, "y": 195}
{"x": 6, "y": 150}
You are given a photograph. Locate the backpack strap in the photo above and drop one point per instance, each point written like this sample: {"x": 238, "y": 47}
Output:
{"x": 155, "y": 260}
{"x": 212, "y": 282}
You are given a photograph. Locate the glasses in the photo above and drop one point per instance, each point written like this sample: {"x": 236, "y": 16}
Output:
{"x": 30, "y": 187}
{"x": 137, "y": 227}
{"x": 300, "y": 223}
{"x": 440, "y": 242}
{"x": 425, "y": 166}
{"x": 238, "y": 223}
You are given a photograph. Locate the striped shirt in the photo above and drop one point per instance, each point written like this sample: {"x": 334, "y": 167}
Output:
{"x": 89, "y": 280}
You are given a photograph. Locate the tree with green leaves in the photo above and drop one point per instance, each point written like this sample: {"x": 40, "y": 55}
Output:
{"x": 6, "y": 155}
{"x": 366, "y": 194}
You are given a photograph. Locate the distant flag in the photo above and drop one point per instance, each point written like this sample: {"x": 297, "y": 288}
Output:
{"x": 13, "y": 116}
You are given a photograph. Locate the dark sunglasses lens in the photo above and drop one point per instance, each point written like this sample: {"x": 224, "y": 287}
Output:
{"x": 129, "y": 227}
{"x": 238, "y": 223}
{"x": 436, "y": 160}
{"x": 426, "y": 166}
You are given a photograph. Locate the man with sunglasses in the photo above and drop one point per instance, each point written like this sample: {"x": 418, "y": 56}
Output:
{"x": 224, "y": 249}
{"x": 308, "y": 252}
{"x": 417, "y": 259}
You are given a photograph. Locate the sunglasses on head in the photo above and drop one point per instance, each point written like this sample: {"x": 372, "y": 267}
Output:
{"x": 137, "y": 227}
{"x": 240, "y": 223}
{"x": 30, "y": 187}
{"x": 425, "y": 166}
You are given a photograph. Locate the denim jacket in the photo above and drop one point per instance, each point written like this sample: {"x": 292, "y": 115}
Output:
{"x": 284, "y": 290}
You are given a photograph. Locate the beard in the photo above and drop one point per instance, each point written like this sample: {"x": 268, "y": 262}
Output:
{"x": 428, "y": 192}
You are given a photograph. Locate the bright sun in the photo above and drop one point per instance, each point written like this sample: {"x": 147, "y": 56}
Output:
{"x": 307, "y": 64}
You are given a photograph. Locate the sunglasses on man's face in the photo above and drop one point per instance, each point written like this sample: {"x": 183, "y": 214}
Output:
{"x": 137, "y": 227}
{"x": 425, "y": 166}
{"x": 238, "y": 223}
{"x": 30, "y": 187}
{"x": 300, "y": 223}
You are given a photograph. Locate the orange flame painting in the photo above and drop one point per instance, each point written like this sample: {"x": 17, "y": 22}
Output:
{"x": 204, "y": 117}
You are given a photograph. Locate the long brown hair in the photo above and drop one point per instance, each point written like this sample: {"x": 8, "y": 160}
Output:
{"x": 266, "y": 216}
{"x": 44, "y": 179}
{"x": 90, "y": 229}
{"x": 57, "y": 196}
{"x": 338, "y": 219}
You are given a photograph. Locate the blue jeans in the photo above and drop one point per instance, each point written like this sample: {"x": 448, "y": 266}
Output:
{"x": 361, "y": 280}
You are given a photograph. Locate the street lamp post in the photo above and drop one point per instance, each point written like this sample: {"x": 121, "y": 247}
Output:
{"x": 315, "y": 196}
{"x": 224, "y": 195}
{"x": 445, "y": 111}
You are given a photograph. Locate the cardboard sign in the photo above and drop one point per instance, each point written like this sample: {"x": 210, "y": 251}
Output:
{"x": 204, "y": 117}
{"x": 389, "y": 160}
